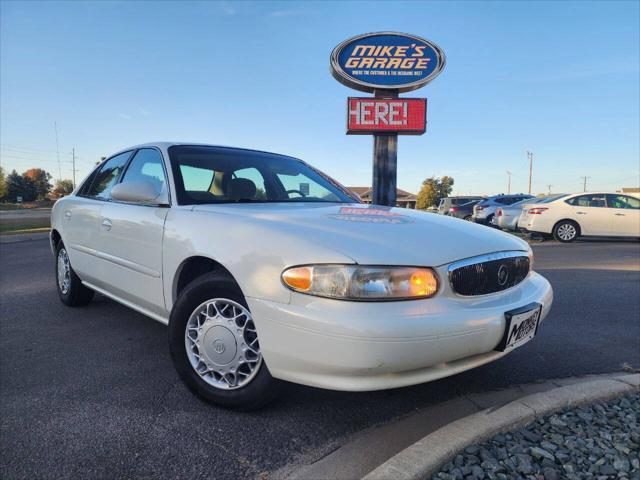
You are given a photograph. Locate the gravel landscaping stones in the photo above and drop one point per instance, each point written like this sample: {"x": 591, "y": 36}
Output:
{"x": 600, "y": 441}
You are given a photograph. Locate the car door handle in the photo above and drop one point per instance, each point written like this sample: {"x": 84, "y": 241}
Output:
{"x": 581, "y": 213}
{"x": 106, "y": 224}
{"x": 67, "y": 214}
{"x": 619, "y": 214}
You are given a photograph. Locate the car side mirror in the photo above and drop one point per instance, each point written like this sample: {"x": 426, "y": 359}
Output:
{"x": 138, "y": 192}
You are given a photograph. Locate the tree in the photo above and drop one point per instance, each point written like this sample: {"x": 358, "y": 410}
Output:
{"x": 427, "y": 194}
{"x": 433, "y": 189}
{"x": 63, "y": 187}
{"x": 3, "y": 184}
{"x": 20, "y": 186}
{"x": 445, "y": 187}
{"x": 40, "y": 179}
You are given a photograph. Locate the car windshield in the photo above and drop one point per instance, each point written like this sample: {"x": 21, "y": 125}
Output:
{"x": 528, "y": 200}
{"x": 205, "y": 175}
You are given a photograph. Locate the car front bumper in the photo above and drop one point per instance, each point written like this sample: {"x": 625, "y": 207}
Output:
{"x": 359, "y": 346}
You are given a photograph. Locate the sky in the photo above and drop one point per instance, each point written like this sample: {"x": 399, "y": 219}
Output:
{"x": 560, "y": 79}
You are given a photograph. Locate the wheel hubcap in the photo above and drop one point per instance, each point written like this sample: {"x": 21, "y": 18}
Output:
{"x": 222, "y": 344}
{"x": 566, "y": 231}
{"x": 64, "y": 271}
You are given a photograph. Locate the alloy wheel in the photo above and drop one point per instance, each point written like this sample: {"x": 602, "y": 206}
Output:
{"x": 222, "y": 344}
{"x": 64, "y": 271}
{"x": 567, "y": 231}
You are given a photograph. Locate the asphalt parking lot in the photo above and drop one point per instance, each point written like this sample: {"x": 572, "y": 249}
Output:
{"x": 91, "y": 392}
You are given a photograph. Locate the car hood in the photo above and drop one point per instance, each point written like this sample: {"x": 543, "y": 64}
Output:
{"x": 374, "y": 235}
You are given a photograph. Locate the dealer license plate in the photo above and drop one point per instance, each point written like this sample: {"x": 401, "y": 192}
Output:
{"x": 522, "y": 325}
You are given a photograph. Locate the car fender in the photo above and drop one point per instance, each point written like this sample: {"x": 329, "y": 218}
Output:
{"x": 243, "y": 245}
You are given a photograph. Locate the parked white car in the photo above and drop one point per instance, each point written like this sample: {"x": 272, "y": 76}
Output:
{"x": 265, "y": 269}
{"x": 584, "y": 214}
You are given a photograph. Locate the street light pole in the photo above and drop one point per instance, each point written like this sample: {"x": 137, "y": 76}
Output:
{"x": 509, "y": 184}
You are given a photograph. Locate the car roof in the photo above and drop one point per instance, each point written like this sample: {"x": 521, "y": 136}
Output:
{"x": 493, "y": 197}
{"x": 601, "y": 192}
{"x": 166, "y": 145}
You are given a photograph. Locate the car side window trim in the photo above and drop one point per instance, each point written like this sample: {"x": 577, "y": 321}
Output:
{"x": 164, "y": 171}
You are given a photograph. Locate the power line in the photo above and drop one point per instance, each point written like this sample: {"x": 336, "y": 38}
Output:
{"x": 35, "y": 157}
{"x": 16, "y": 157}
{"x": 26, "y": 149}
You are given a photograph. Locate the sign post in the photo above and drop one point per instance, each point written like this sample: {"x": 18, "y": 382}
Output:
{"x": 386, "y": 64}
{"x": 385, "y": 162}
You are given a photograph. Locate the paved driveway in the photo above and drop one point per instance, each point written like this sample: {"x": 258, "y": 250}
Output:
{"x": 91, "y": 392}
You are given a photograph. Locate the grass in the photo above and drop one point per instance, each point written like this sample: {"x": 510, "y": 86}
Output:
{"x": 15, "y": 226}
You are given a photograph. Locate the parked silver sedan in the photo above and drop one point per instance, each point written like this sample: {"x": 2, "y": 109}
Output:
{"x": 506, "y": 217}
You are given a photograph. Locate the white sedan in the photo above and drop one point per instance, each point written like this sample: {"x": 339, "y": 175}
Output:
{"x": 265, "y": 269}
{"x": 584, "y": 214}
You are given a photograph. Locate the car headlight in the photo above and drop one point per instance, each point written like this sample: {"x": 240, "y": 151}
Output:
{"x": 356, "y": 282}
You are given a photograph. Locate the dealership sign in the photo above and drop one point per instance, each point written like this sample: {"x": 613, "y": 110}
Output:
{"x": 404, "y": 116}
{"x": 386, "y": 60}
{"x": 386, "y": 64}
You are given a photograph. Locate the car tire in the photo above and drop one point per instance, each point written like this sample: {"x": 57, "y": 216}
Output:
{"x": 200, "y": 344}
{"x": 70, "y": 288}
{"x": 489, "y": 220}
{"x": 566, "y": 231}
{"x": 468, "y": 218}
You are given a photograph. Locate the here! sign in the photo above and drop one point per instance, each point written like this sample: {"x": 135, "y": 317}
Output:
{"x": 403, "y": 116}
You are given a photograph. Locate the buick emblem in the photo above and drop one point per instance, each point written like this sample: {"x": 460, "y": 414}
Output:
{"x": 218, "y": 347}
{"x": 503, "y": 275}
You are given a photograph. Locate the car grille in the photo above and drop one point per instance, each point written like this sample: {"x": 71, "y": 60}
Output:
{"x": 488, "y": 273}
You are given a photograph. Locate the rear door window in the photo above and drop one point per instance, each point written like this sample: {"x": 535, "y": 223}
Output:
{"x": 590, "y": 200}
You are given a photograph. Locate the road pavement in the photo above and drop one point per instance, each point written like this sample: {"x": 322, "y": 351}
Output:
{"x": 91, "y": 392}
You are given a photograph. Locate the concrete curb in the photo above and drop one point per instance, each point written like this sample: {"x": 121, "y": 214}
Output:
{"x": 23, "y": 237}
{"x": 426, "y": 456}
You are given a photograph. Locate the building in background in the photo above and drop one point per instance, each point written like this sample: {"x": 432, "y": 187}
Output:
{"x": 403, "y": 199}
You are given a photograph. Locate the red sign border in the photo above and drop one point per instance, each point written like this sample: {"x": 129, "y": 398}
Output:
{"x": 387, "y": 132}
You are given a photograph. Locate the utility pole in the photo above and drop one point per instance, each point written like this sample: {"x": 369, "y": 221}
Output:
{"x": 509, "y": 184}
{"x": 55, "y": 127}
{"x": 73, "y": 161}
{"x": 585, "y": 183}
{"x": 549, "y": 188}
{"x": 530, "y": 157}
